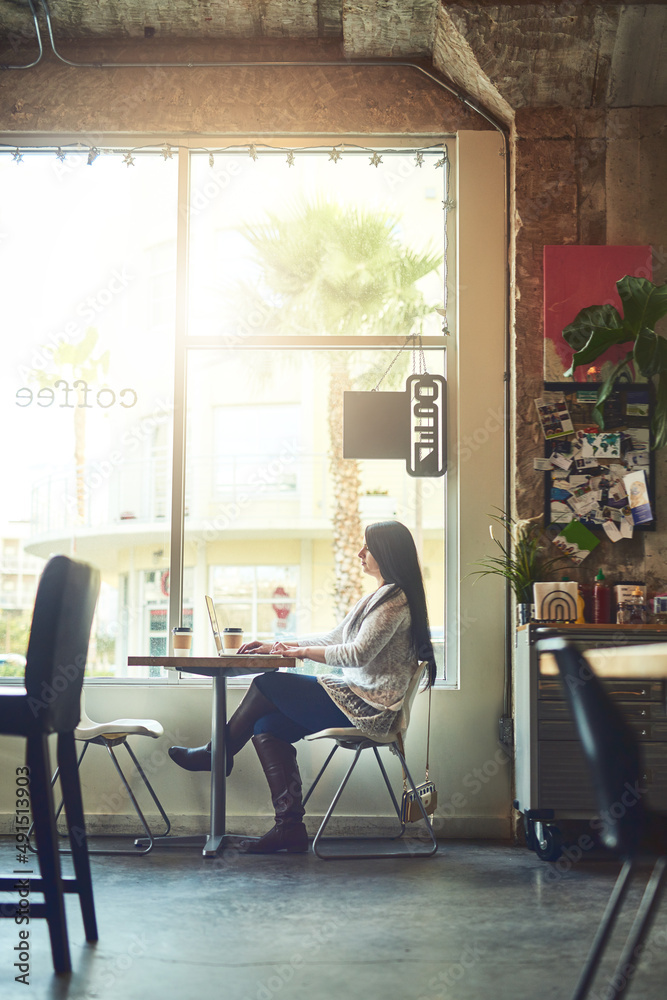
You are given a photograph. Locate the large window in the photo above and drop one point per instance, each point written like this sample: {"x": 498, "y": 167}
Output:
{"x": 303, "y": 280}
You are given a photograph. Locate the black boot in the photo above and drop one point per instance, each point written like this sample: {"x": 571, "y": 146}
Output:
{"x": 192, "y": 758}
{"x": 242, "y": 723}
{"x": 278, "y": 760}
{"x": 239, "y": 730}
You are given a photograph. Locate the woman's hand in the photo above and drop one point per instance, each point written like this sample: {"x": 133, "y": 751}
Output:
{"x": 284, "y": 649}
{"x": 255, "y": 647}
{"x": 315, "y": 653}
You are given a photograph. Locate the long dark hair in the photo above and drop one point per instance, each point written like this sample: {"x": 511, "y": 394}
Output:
{"x": 393, "y": 548}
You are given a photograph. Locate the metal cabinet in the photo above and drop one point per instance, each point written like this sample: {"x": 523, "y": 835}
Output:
{"x": 552, "y": 781}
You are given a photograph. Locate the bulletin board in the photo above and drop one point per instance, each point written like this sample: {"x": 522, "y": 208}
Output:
{"x": 593, "y": 479}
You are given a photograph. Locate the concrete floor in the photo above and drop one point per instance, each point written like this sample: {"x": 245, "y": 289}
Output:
{"x": 479, "y": 920}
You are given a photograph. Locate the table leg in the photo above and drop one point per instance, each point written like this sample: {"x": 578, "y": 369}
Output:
{"x": 218, "y": 766}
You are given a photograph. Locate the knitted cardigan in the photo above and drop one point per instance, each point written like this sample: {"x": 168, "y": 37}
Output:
{"x": 375, "y": 654}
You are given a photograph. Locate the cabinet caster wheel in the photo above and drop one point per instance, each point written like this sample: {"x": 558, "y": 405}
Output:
{"x": 548, "y": 843}
{"x": 529, "y": 831}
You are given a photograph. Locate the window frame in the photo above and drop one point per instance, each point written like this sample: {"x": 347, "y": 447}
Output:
{"x": 185, "y": 343}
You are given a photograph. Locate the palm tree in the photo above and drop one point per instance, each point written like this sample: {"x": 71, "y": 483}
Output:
{"x": 327, "y": 269}
{"x": 74, "y": 363}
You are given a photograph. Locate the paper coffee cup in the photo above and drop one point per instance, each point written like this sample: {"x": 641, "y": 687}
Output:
{"x": 232, "y": 639}
{"x": 182, "y": 636}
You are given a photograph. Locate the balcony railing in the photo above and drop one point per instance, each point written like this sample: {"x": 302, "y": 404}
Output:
{"x": 253, "y": 486}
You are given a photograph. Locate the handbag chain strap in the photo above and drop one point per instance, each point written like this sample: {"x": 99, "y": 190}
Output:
{"x": 428, "y": 730}
{"x": 399, "y": 740}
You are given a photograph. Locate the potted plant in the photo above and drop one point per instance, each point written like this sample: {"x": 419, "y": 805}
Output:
{"x": 523, "y": 559}
{"x": 597, "y": 328}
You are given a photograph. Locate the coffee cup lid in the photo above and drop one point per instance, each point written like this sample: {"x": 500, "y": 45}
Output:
{"x": 232, "y": 630}
{"x": 181, "y": 628}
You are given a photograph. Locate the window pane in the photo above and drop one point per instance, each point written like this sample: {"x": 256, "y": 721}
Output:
{"x": 232, "y": 582}
{"x": 268, "y": 611}
{"x": 277, "y": 583}
{"x": 247, "y": 438}
{"x": 276, "y": 621}
{"x": 86, "y": 385}
{"x": 311, "y": 210}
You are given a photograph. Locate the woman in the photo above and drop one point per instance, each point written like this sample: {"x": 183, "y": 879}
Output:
{"x": 378, "y": 645}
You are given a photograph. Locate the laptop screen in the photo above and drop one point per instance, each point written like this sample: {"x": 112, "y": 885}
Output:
{"x": 214, "y": 625}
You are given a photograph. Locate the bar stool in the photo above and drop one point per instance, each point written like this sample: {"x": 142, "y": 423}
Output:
{"x": 112, "y": 734}
{"x": 49, "y": 703}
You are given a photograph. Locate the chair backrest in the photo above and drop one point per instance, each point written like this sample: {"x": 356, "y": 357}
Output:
{"x": 84, "y": 718}
{"x": 410, "y": 696}
{"x": 611, "y": 748}
{"x": 58, "y": 645}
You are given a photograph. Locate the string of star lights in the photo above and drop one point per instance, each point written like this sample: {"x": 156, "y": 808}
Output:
{"x": 252, "y": 150}
{"x": 255, "y": 152}
{"x": 448, "y": 205}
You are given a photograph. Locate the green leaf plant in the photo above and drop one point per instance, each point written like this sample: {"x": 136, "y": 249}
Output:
{"x": 523, "y": 560}
{"x": 597, "y": 328}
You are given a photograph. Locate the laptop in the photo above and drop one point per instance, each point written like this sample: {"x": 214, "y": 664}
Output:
{"x": 213, "y": 618}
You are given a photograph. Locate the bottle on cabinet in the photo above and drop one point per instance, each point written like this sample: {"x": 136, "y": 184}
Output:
{"x": 586, "y": 590}
{"x": 601, "y": 600}
{"x": 633, "y": 610}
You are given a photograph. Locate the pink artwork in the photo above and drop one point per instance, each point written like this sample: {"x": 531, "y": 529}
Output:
{"x": 576, "y": 277}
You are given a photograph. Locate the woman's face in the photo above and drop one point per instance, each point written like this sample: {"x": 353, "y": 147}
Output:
{"x": 369, "y": 564}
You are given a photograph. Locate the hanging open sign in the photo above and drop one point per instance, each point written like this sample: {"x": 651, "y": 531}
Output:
{"x": 427, "y": 395}
{"x": 410, "y": 425}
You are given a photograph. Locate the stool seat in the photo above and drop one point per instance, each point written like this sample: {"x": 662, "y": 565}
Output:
{"x": 117, "y": 728}
{"x": 351, "y": 738}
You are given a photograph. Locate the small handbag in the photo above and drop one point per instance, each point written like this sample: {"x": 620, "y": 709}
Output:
{"x": 426, "y": 791}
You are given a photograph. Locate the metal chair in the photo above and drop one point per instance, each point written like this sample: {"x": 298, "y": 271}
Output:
{"x": 49, "y": 703}
{"x": 630, "y": 828}
{"x": 110, "y": 735}
{"x": 354, "y": 739}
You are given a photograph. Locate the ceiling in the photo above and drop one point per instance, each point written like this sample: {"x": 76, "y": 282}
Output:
{"x": 577, "y": 54}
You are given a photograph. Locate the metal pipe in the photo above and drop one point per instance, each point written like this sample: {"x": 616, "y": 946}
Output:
{"x": 38, "y": 35}
{"x": 350, "y": 63}
{"x": 460, "y": 95}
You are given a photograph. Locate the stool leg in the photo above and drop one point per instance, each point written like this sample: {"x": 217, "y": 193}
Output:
{"x": 76, "y": 825}
{"x": 133, "y": 800}
{"x": 397, "y": 808}
{"x": 41, "y": 800}
{"x": 604, "y": 930}
{"x": 640, "y": 928}
{"x": 322, "y": 770}
{"x": 150, "y": 789}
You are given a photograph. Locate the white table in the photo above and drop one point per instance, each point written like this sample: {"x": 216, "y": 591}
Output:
{"x": 647, "y": 662}
{"x": 219, "y": 668}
